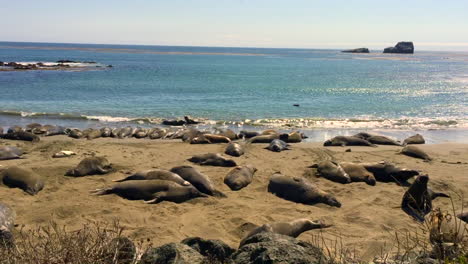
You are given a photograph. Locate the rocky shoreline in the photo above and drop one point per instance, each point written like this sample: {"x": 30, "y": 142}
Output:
{"x": 58, "y": 65}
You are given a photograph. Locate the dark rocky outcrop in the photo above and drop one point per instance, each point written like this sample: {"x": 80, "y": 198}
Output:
{"x": 172, "y": 253}
{"x": 274, "y": 248}
{"x": 212, "y": 249}
{"x": 401, "y": 47}
{"x": 358, "y": 50}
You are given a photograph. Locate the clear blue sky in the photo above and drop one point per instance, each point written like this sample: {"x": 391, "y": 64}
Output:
{"x": 431, "y": 24}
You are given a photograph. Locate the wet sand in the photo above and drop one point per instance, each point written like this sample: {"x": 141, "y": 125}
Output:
{"x": 367, "y": 220}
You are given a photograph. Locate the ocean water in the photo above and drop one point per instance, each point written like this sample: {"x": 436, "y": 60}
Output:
{"x": 238, "y": 86}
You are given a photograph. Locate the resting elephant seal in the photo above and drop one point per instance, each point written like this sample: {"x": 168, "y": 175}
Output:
{"x": 156, "y": 133}
{"x": 294, "y": 137}
{"x": 217, "y": 138}
{"x": 415, "y": 139}
{"x": 263, "y": 138}
{"x": 416, "y": 201}
{"x": 125, "y": 132}
{"x": 347, "y": 141}
{"x": 140, "y": 132}
{"x": 248, "y": 134}
{"x": 197, "y": 179}
{"x": 227, "y": 133}
{"x": 332, "y": 171}
{"x": 212, "y": 159}
{"x": 415, "y": 152}
{"x": 25, "y": 179}
{"x": 90, "y": 166}
{"x": 106, "y": 132}
{"x": 387, "y": 172}
{"x": 234, "y": 149}
{"x": 299, "y": 190}
{"x": 14, "y": 129}
{"x": 92, "y": 133}
{"x": 173, "y": 122}
{"x": 239, "y": 177}
{"x": 270, "y": 132}
{"x": 278, "y": 145}
{"x": 21, "y": 135}
{"x": 292, "y": 229}
{"x": 50, "y": 130}
{"x": 75, "y": 133}
{"x": 156, "y": 174}
{"x": 7, "y": 223}
{"x": 382, "y": 140}
{"x": 152, "y": 191}
{"x": 358, "y": 173}
{"x": 8, "y": 152}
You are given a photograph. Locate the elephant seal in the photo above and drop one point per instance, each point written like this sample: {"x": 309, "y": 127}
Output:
{"x": 90, "y": 166}
{"x": 125, "y": 132}
{"x": 190, "y": 121}
{"x": 106, "y": 132}
{"x": 217, "y": 138}
{"x": 33, "y": 127}
{"x": 263, "y": 138}
{"x": 294, "y": 137}
{"x": 347, "y": 141}
{"x": 173, "y": 122}
{"x": 239, "y": 177}
{"x": 278, "y": 145}
{"x": 92, "y": 133}
{"x": 21, "y": 135}
{"x": 212, "y": 159}
{"x": 299, "y": 190}
{"x": 197, "y": 179}
{"x": 415, "y": 152}
{"x": 25, "y": 179}
{"x": 227, "y": 133}
{"x": 156, "y": 174}
{"x": 358, "y": 173}
{"x": 382, "y": 140}
{"x": 8, "y": 152}
{"x": 50, "y": 130}
{"x": 387, "y": 172}
{"x": 234, "y": 149}
{"x": 248, "y": 134}
{"x": 75, "y": 133}
{"x": 14, "y": 129}
{"x": 416, "y": 201}
{"x": 269, "y": 132}
{"x": 463, "y": 216}
{"x": 152, "y": 191}
{"x": 140, "y": 132}
{"x": 156, "y": 133}
{"x": 364, "y": 135}
{"x": 292, "y": 229}
{"x": 7, "y": 223}
{"x": 415, "y": 139}
{"x": 332, "y": 171}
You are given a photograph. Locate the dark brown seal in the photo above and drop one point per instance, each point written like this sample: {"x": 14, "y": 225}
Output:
{"x": 292, "y": 229}
{"x": 155, "y": 174}
{"x": 332, "y": 171}
{"x": 347, "y": 141}
{"x": 239, "y": 177}
{"x": 90, "y": 166}
{"x": 197, "y": 179}
{"x": 416, "y": 201}
{"x": 152, "y": 191}
{"x": 234, "y": 149}
{"x": 299, "y": 190}
{"x": 387, "y": 172}
{"x": 212, "y": 159}
{"x": 21, "y": 135}
{"x": 25, "y": 179}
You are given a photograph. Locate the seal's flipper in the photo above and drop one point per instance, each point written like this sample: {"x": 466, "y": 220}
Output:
{"x": 157, "y": 198}
{"x": 101, "y": 191}
{"x": 219, "y": 194}
{"x": 102, "y": 170}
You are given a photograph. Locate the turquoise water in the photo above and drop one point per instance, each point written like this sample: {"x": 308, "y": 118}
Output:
{"x": 423, "y": 91}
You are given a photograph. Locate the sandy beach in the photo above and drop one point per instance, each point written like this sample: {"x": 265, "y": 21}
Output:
{"x": 366, "y": 222}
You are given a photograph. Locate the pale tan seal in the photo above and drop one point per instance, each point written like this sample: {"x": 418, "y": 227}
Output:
{"x": 156, "y": 174}
{"x": 234, "y": 149}
{"x": 358, "y": 173}
{"x": 415, "y": 152}
{"x": 332, "y": 171}
{"x": 212, "y": 159}
{"x": 415, "y": 139}
{"x": 91, "y": 166}
{"x": 197, "y": 179}
{"x": 239, "y": 177}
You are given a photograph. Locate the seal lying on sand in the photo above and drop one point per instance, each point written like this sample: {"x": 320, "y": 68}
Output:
{"x": 8, "y": 152}
{"x": 234, "y": 149}
{"x": 332, "y": 171}
{"x": 377, "y": 139}
{"x": 90, "y": 166}
{"x": 387, "y": 172}
{"x": 299, "y": 190}
{"x": 415, "y": 152}
{"x": 278, "y": 145}
{"x": 7, "y": 223}
{"x": 239, "y": 177}
{"x": 75, "y": 133}
{"x": 263, "y": 138}
{"x": 106, "y": 132}
{"x": 26, "y": 180}
{"x": 417, "y": 200}
{"x": 156, "y": 174}
{"x": 209, "y": 139}
{"x": 197, "y": 179}
{"x": 347, "y": 141}
{"x": 248, "y": 134}
{"x": 292, "y": 229}
{"x": 152, "y": 191}
{"x": 213, "y": 159}
{"x": 415, "y": 139}
{"x": 227, "y": 133}
{"x": 358, "y": 173}
{"x": 21, "y": 135}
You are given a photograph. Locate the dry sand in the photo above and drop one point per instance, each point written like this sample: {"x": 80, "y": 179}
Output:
{"x": 367, "y": 220}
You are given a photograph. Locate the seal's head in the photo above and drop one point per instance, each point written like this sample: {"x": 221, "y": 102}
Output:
{"x": 327, "y": 143}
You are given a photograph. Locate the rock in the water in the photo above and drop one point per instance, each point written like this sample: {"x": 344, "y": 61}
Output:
{"x": 213, "y": 249}
{"x": 358, "y": 50}
{"x": 268, "y": 247}
{"x": 406, "y": 47}
{"x": 172, "y": 253}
